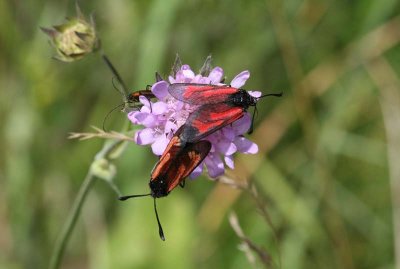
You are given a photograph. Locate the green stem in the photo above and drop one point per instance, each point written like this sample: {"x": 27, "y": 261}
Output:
{"x": 71, "y": 221}
{"x": 87, "y": 183}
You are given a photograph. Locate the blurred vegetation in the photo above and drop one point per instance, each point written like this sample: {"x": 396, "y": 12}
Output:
{"x": 327, "y": 170}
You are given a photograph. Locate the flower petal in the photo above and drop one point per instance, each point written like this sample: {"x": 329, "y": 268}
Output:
{"x": 197, "y": 171}
{"x": 240, "y": 79}
{"x": 256, "y": 94}
{"x": 185, "y": 74}
{"x": 160, "y": 89}
{"x": 216, "y": 75}
{"x": 246, "y": 146}
{"x": 132, "y": 117}
{"x": 171, "y": 79}
{"x": 215, "y": 166}
{"x": 229, "y": 133}
{"x": 144, "y": 101}
{"x": 170, "y": 127}
{"x": 144, "y": 136}
{"x": 146, "y": 119}
{"x": 159, "y": 145}
{"x": 229, "y": 161}
{"x": 159, "y": 108}
{"x": 226, "y": 147}
{"x": 201, "y": 80}
{"x": 242, "y": 125}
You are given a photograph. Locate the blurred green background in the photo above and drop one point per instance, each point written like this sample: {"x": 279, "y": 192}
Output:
{"x": 327, "y": 171}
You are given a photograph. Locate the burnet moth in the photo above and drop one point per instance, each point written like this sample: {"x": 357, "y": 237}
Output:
{"x": 176, "y": 163}
{"x": 218, "y": 107}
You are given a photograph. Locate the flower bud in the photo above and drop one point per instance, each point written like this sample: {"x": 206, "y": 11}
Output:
{"x": 73, "y": 39}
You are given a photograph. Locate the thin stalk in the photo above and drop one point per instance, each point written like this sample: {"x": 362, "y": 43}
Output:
{"x": 63, "y": 238}
{"x": 87, "y": 184}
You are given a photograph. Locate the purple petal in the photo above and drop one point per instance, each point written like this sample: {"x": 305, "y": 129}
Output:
{"x": 188, "y": 74}
{"x": 170, "y": 127}
{"x": 144, "y": 136}
{"x": 240, "y": 79}
{"x": 197, "y": 171}
{"x": 159, "y": 108}
{"x": 146, "y": 119}
{"x": 255, "y": 94}
{"x": 215, "y": 166}
{"x": 144, "y": 101}
{"x": 132, "y": 117}
{"x": 229, "y": 133}
{"x": 201, "y": 80}
{"x": 226, "y": 147}
{"x": 229, "y": 161}
{"x": 185, "y": 74}
{"x": 242, "y": 125}
{"x": 246, "y": 146}
{"x": 186, "y": 67}
{"x": 171, "y": 79}
{"x": 160, "y": 89}
{"x": 145, "y": 109}
{"x": 216, "y": 75}
{"x": 159, "y": 145}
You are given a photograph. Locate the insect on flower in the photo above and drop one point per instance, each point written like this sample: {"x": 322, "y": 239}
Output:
{"x": 132, "y": 100}
{"x": 176, "y": 163}
{"x": 219, "y": 106}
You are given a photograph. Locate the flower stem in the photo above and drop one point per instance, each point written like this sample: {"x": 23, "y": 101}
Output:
{"x": 87, "y": 183}
{"x": 71, "y": 221}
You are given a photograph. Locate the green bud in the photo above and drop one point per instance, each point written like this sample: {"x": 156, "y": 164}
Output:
{"x": 103, "y": 169}
{"x": 73, "y": 39}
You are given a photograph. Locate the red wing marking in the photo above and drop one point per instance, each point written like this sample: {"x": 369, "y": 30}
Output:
{"x": 200, "y": 94}
{"x": 208, "y": 119}
{"x": 173, "y": 147}
{"x": 185, "y": 162}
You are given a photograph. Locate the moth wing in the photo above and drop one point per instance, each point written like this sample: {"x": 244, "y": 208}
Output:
{"x": 200, "y": 94}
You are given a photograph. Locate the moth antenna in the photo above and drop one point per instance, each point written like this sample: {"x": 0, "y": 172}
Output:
{"x": 109, "y": 113}
{"x": 116, "y": 88}
{"x": 126, "y": 197}
{"x": 160, "y": 229}
{"x": 255, "y": 113}
{"x": 272, "y": 94}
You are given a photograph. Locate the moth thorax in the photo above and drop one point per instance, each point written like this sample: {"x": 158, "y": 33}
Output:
{"x": 243, "y": 99}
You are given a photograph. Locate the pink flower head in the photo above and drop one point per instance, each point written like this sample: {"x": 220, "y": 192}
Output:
{"x": 162, "y": 118}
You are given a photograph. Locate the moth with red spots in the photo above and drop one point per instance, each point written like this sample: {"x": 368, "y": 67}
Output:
{"x": 176, "y": 163}
{"x": 219, "y": 106}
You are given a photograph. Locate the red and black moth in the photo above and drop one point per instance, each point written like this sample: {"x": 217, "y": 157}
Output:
{"x": 176, "y": 163}
{"x": 219, "y": 106}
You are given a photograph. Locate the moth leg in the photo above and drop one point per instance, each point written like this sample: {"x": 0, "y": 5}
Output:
{"x": 182, "y": 184}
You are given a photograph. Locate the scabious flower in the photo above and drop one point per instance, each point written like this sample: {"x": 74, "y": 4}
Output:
{"x": 162, "y": 118}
